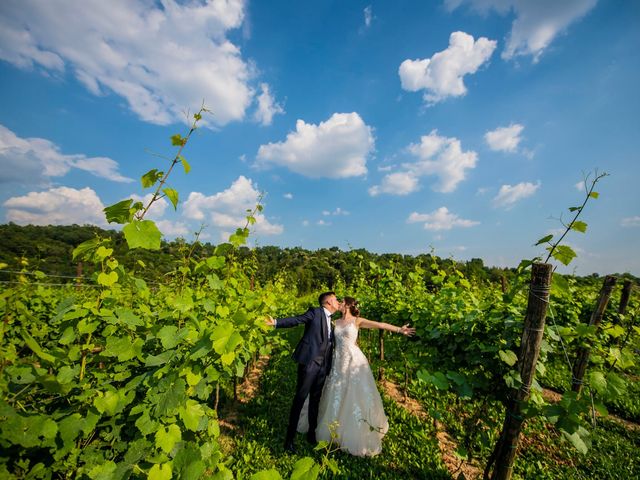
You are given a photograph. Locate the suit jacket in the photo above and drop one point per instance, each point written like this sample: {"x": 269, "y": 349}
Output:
{"x": 314, "y": 342}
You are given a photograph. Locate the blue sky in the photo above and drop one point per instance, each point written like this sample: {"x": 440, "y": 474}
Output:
{"x": 462, "y": 126}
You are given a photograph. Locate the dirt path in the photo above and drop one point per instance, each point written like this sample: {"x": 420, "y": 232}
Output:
{"x": 458, "y": 468}
{"x": 246, "y": 391}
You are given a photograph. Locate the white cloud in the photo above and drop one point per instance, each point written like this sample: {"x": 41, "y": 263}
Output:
{"x": 440, "y": 219}
{"x": 56, "y": 206}
{"x": 267, "y": 107}
{"x": 509, "y": 195}
{"x": 444, "y": 158}
{"x": 338, "y": 211}
{"x": 322, "y": 223}
{"x": 631, "y": 221}
{"x": 398, "y": 183}
{"x": 34, "y": 160}
{"x": 368, "y": 16}
{"x": 337, "y": 148}
{"x": 161, "y": 57}
{"x": 504, "y": 139}
{"x": 227, "y": 209}
{"x": 436, "y": 155}
{"x": 305, "y": 223}
{"x": 536, "y": 23}
{"x": 580, "y": 186}
{"x": 173, "y": 229}
{"x": 288, "y": 196}
{"x": 442, "y": 75}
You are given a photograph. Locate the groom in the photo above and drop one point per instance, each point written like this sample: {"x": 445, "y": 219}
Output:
{"x": 313, "y": 355}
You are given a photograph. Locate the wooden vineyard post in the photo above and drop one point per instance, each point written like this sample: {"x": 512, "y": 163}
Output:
{"x": 624, "y": 298}
{"x": 503, "y": 284}
{"x": 580, "y": 366}
{"x": 505, "y": 451}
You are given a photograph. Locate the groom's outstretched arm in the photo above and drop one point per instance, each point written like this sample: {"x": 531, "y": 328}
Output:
{"x": 293, "y": 321}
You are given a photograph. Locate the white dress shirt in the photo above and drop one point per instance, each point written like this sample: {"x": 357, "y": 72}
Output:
{"x": 328, "y": 315}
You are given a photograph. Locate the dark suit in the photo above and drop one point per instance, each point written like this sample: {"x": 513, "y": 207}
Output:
{"x": 313, "y": 355}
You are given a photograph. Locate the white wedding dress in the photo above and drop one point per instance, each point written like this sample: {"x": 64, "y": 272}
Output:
{"x": 350, "y": 404}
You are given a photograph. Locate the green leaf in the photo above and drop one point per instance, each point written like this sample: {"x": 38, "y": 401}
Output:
{"x": 142, "y": 234}
{"x": 103, "y": 472}
{"x": 106, "y": 402}
{"x": 598, "y": 382}
{"x": 167, "y": 438}
{"x": 120, "y": 347}
{"x": 172, "y": 195}
{"x": 185, "y": 164}
{"x": 559, "y": 285}
{"x": 190, "y": 414}
{"x": 305, "y": 469}
{"x": 544, "y": 239}
{"x": 594, "y": 194}
{"x": 86, "y": 248}
{"x": 160, "y": 472}
{"x": 579, "y": 439}
{"x": 188, "y": 464}
{"x": 225, "y": 338}
{"x": 508, "y": 357}
{"x": 438, "y": 379}
{"x": 177, "y": 140}
{"x": 579, "y": 226}
{"x": 563, "y": 254}
{"x": 151, "y": 177}
{"x": 119, "y": 212}
{"x": 573, "y": 209}
{"x": 107, "y": 279}
{"x": 35, "y": 347}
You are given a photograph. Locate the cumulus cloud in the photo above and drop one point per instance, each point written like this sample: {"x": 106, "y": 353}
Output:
{"x": 173, "y": 229}
{"x": 536, "y": 23}
{"x": 227, "y": 209}
{"x": 267, "y": 107}
{"x": 34, "y": 160}
{"x": 631, "y": 221}
{"x": 435, "y": 155}
{"x": 580, "y": 186}
{"x": 505, "y": 139}
{"x": 56, "y": 206}
{"x": 336, "y": 148}
{"x": 442, "y": 75}
{"x": 161, "y": 57}
{"x": 509, "y": 195}
{"x": 288, "y": 196}
{"x": 398, "y": 183}
{"x": 440, "y": 219}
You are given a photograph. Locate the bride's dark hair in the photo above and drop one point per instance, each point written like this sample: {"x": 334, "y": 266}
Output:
{"x": 352, "y": 304}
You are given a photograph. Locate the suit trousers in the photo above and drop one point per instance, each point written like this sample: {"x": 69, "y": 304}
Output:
{"x": 311, "y": 378}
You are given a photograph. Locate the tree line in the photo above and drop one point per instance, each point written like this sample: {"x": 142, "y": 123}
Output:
{"x": 49, "y": 249}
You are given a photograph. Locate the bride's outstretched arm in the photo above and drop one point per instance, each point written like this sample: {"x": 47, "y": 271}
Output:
{"x": 404, "y": 330}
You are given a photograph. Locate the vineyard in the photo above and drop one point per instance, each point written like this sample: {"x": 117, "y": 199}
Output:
{"x": 121, "y": 377}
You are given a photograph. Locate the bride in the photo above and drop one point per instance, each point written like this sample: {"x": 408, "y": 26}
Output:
{"x": 350, "y": 407}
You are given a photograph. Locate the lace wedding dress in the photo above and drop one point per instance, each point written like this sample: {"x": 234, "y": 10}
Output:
{"x": 350, "y": 405}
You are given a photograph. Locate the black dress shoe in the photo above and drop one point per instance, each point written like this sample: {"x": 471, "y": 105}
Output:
{"x": 312, "y": 439}
{"x": 289, "y": 447}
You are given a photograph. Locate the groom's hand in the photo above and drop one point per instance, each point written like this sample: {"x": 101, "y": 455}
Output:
{"x": 270, "y": 321}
